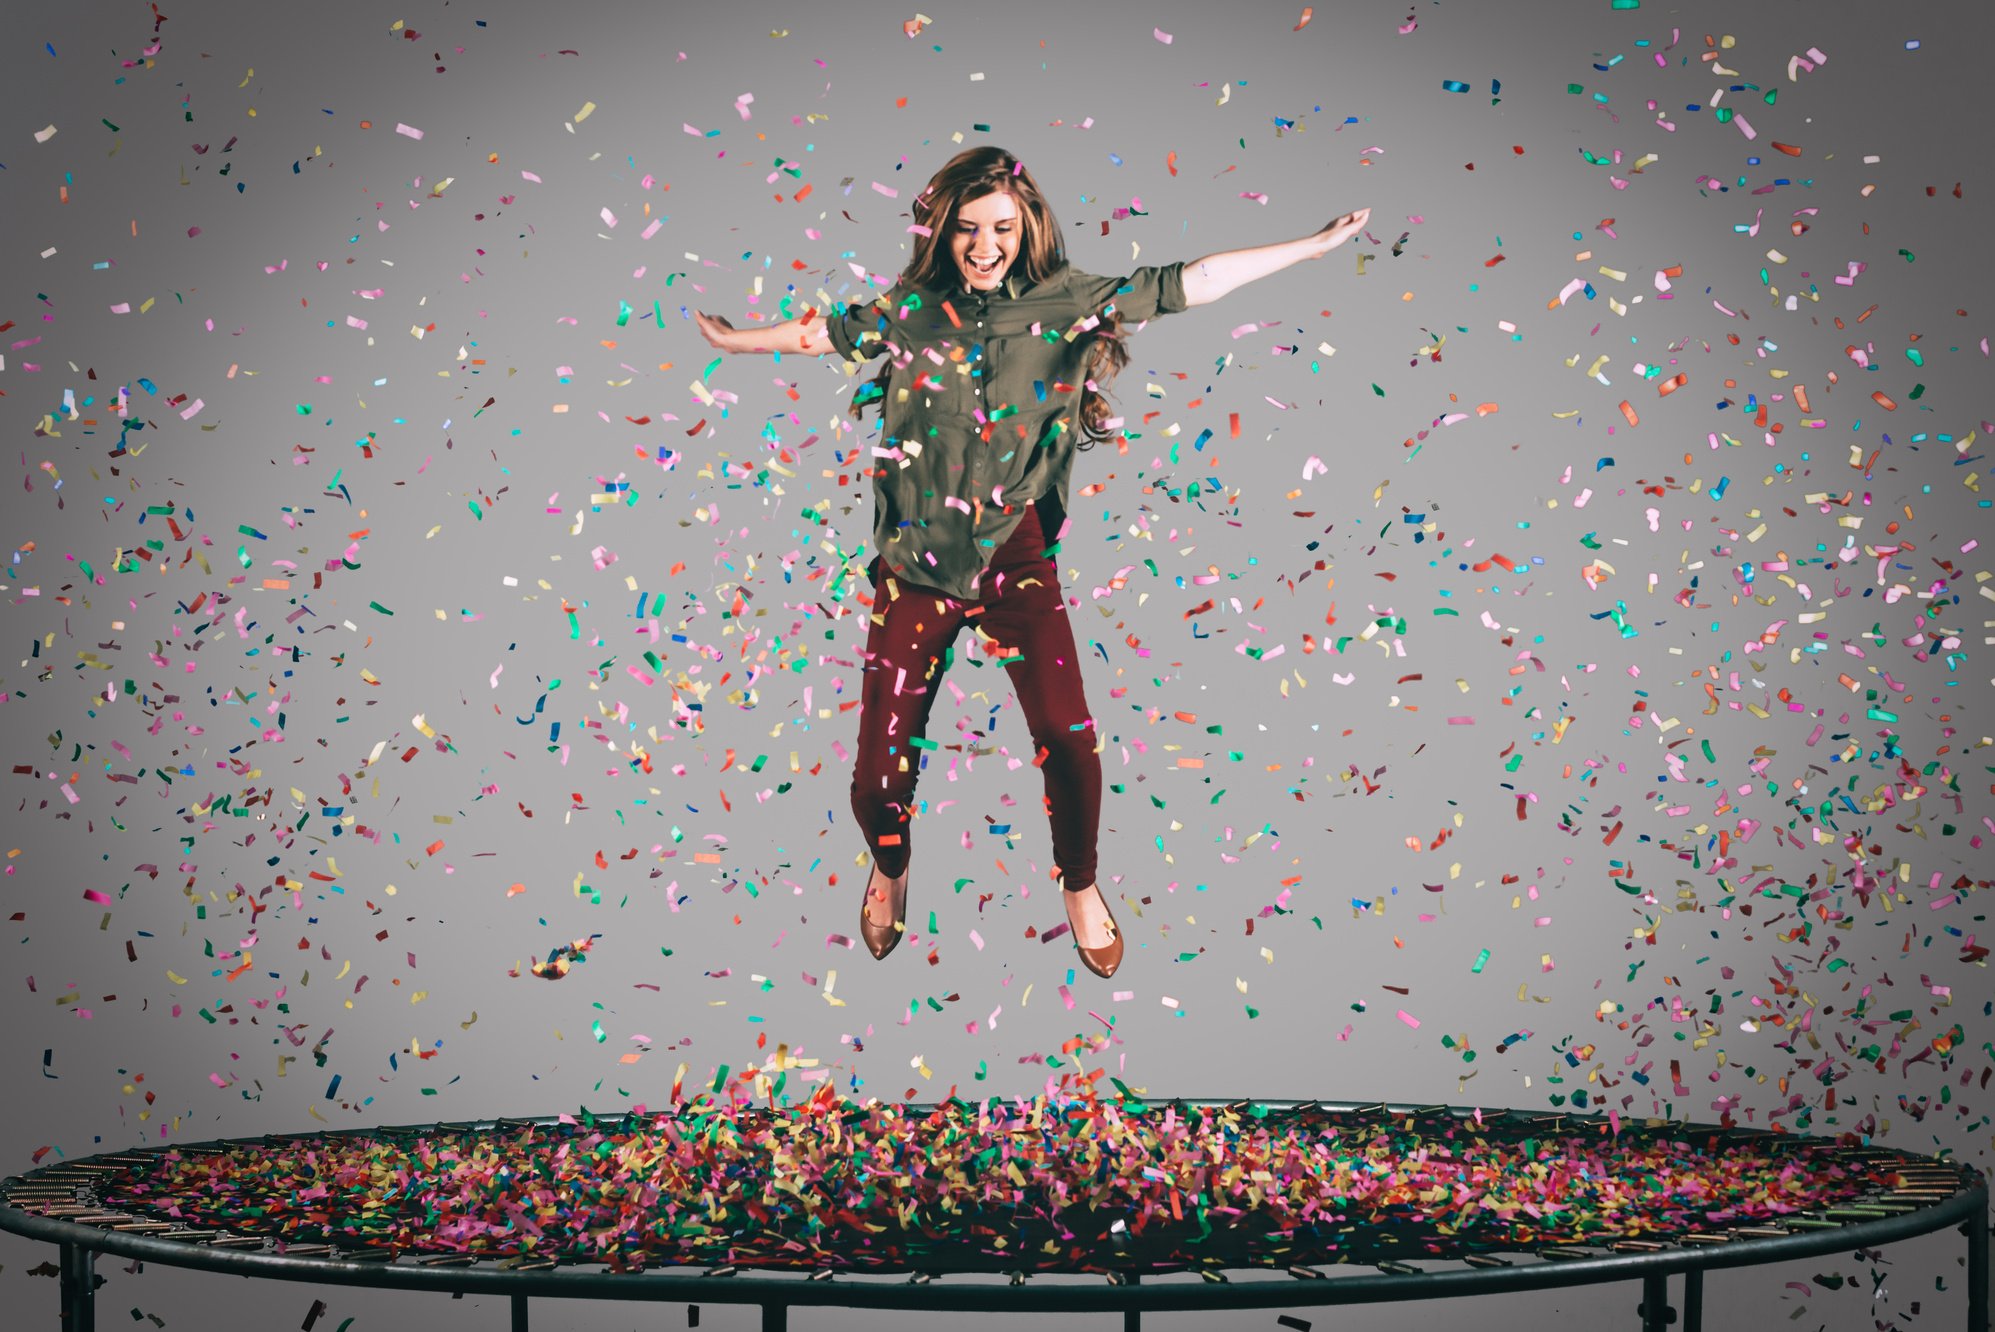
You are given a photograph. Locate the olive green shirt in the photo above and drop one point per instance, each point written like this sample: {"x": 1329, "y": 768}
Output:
{"x": 982, "y": 409}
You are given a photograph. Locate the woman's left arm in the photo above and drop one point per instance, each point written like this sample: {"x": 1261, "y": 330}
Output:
{"x": 1208, "y": 279}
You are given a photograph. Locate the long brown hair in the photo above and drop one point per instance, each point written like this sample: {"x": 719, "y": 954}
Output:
{"x": 965, "y": 178}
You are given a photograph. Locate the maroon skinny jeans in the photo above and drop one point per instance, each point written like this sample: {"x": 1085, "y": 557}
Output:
{"x": 1023, "y": 618}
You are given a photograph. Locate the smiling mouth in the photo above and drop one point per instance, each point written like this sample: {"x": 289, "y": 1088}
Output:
{"x": 986, "y": 269}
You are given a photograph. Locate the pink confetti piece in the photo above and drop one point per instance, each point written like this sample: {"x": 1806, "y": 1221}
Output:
{"x": 1161, "y": 35}
{"x": 410, "y": 130}
{"x": 1408, "y": 1019}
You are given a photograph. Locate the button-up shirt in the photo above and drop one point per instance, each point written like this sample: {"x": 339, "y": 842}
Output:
{"x": 982, "y": 409}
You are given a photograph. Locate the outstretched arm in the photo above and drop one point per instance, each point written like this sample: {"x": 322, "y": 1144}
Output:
{"x": 1207, "y": 279}
{"x": 806, "y": 335}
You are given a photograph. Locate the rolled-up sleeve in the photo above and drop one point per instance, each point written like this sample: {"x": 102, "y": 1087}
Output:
{"x": 1143, "y": 294}
{"x": 849, "y": 331}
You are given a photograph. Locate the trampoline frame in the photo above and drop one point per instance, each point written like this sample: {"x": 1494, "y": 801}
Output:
{"x": 81, "y": 1238}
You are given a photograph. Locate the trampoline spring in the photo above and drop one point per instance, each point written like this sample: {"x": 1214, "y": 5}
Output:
{"x": 1856, "y": 1213}
{"x": 366, "y": 1256}
{"x": 189, "y": 1236}
{"x": 237, "y": 1242}
{"x": 1706, "y": 1237}
{"x": 102, "y": 1218}
{"x": 447, "y": 1260}
{"x": 1305, "y": 1273}
{"x": 1017, "y": 1278}
{"x": 1117, "y": 1277}
{"x": 822, "y": 1274}
{"x": 1638, "y": 1246}
{"x": 1396, "y": 1268}
{"x": 1761, "y": 1232}
{"x": 726, "y": 1271}
{"x": 307, "y": 1250}
{"x": 1216, "y": 1278}
{"x": 921, "y": 1278}
{"x": 144, "y": 1227}
{"x": 529, "y": 1264}
{"x": 1811, "y": 1223}
{"x": 1557, "y": 1253}
{"x": 1485, "y": 1260}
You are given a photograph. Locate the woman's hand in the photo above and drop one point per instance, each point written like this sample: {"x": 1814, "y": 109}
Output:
{"x": 1340, "y": 231}
{"x": 716, "y": 330}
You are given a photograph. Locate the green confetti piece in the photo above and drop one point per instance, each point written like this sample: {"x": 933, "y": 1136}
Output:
{"x": 378, "y": 606}
{"x": 1481, "y": 960}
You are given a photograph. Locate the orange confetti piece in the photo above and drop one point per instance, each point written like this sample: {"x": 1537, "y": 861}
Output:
{"x": 1882, "y": 401}
{"x": 1801, "y": 397}
{"x": 1308, "y": 13}
{"x": 1486, "y": 409}
{"x": 1792, "y": 150}
{"x": 1233, "y": 422}
{"x": 1171, "y": 162}
{"x": 1628, "y": 411}
{"x": 1669, "y": 386}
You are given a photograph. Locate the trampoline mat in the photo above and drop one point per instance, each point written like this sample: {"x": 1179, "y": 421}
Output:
{"x": 1029, "y": 1185}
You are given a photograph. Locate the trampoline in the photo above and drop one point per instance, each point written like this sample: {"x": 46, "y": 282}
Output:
{"x": 1027, "y": 1206}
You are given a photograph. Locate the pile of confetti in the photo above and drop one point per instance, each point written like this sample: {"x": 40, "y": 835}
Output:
{"x": 1042, "y": 1185}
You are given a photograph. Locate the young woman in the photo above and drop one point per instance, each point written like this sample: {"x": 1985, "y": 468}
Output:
{"x": 998, "y": 353}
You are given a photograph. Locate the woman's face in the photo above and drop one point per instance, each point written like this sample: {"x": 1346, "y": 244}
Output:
{"x": 985, "y": 240}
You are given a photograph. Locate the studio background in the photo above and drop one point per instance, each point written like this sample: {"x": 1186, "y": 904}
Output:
{"x": 356, "y": 399}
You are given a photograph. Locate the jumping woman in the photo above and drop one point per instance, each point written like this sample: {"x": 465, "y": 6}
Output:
{"x": 998, "y": 355}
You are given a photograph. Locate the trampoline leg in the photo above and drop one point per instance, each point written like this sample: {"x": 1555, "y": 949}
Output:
{"x": 79, "y": 1294}
{"x": 775, "y": 1318}
{"x": 519, "y": 1313}
{"x": 1977, "y": 1272}
{"x": 1693, "y": 1300}
{"x": 1132, "y": 1319}
{"x": 1655, "y": 1308}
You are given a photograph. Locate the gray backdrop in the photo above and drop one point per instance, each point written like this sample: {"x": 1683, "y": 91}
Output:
{"x": 405, "y": 464}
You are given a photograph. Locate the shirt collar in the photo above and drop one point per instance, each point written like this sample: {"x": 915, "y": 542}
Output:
{"x": 1014, "y": 287}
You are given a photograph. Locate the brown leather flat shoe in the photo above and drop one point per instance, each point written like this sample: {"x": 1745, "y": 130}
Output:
{"x": 880, "y": 939}
{"x": 1104, "y": 960}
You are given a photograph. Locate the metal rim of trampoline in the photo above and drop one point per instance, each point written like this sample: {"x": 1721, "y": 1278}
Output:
{"x": 1964, "y": 1205}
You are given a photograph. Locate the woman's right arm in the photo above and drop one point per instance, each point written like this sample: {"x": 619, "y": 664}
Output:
{"x": 806, "y": 335}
